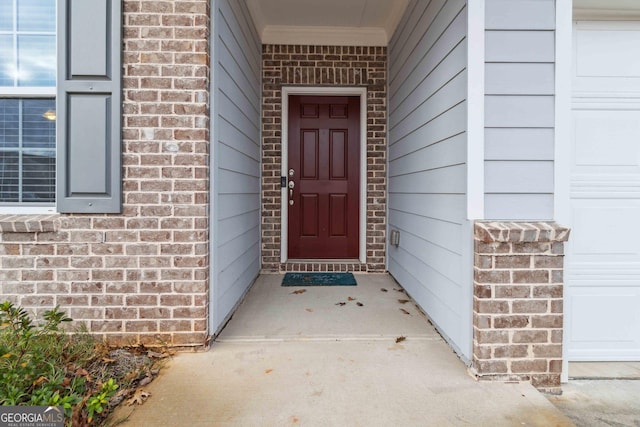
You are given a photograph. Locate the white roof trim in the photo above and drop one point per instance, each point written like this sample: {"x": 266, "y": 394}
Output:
{"x": 324, "y": 36}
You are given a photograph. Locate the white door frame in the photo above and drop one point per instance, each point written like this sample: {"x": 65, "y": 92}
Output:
{"x": 284, "y": 205}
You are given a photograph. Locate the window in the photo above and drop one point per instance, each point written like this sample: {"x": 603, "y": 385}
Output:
{"x": 27, "y": 102}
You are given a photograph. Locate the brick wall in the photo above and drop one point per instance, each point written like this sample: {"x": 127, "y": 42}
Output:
{"x": 324, "y": 66}
{"x": 518, "y": 314}
{"x": 141, "y": 276}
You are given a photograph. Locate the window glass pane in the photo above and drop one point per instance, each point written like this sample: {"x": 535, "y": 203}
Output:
{"x": 38, "y": 176}
{"x": 9, "y": 127}
{"x": 9, "y": 181}
{"x": 6, "y": 15}
{"x": 36, "y": 61}
{"x": 8, "y": 62}
{"x": 27, "y": 150}
{"x": 36, "y": 15}
{"x": 37, "y": 130}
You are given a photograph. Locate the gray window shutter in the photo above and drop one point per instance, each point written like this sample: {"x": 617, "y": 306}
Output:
{"x": 89, "y": 177}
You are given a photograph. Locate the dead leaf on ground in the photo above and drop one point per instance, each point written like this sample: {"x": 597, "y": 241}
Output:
{"x": 40, "y": 380}
{"x": 143, "y": 382}
{"x": 131, "y": 376}
{"x": 403, "y": 301}
{"x": 341, "y": 303}
{"x": 351, "y": 299}
{"x": 81, "y": 372}
{"x": 405, "y": 311}
{"x": 299, "y": 291}
{"x": 400, "y": 339}
{"x": 119, "y": 397}
{"x": 108, "y": 360}
{"x": 309, "y": 310}
{"x": 359, "y": 304}
{"x": 139, "y": 397}
{"x": 268, "y": 371}
{"x": 384, "y": 290}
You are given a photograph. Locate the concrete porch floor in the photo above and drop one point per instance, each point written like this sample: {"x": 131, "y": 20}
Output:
{"x": 290, "y": 358}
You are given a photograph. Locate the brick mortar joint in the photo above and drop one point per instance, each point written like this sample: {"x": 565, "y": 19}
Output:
{"x": 520, "y": 232}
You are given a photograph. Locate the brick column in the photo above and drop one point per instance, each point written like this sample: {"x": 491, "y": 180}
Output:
{"x": 517, "y": 309}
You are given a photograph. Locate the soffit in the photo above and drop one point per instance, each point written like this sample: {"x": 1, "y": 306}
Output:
{"x": 317, "y": 22}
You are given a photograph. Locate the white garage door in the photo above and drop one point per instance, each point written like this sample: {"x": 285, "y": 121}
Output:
{"x": 602, "y": 298}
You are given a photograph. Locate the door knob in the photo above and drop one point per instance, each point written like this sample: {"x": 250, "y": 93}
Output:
{"x": 291, "y": 185}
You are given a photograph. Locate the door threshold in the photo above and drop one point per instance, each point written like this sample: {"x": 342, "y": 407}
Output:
{"x": 351, "y": 265}
{"x": 327, "y": 261}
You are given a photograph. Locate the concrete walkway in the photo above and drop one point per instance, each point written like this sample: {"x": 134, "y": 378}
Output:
{"x": 601, "y": 403}
{"x": 601, "y": 394}
{"x": 306, "y": 359}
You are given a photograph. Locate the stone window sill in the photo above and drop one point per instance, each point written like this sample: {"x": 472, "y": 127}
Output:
{"x": 27, "y": 223}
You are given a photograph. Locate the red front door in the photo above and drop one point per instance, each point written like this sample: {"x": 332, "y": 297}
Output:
{"x": 324, "y": 167}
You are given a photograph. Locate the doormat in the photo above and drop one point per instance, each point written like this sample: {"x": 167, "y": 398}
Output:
{"x": 319, "y": 279}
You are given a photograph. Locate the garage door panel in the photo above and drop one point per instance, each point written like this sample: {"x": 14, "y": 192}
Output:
{"x": 616, "y": 327}
{"x": 596, "y": 335}
{"x": 601, "y": 56}
{"x": 595, "y": 56}
{"x": 607, "y": 140}
{"x": 602, "y": 230}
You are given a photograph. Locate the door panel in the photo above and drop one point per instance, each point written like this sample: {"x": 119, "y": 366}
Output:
{"x": 310, "y": 155}
{"x": 324, "y": 151}
{"x": 338, "y": 215}
{"x": 339, "y": 156}
{"x": 309, "y": 215}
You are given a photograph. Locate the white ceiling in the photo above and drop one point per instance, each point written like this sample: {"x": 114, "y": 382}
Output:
{"x": 371, "y": 22}
{"x": 342, "y": 22}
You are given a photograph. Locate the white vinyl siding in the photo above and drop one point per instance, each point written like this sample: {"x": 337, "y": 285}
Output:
{"x": 519, "y": 109}
{"x": 236, "y": 158}
{"x": 427, "y": 162}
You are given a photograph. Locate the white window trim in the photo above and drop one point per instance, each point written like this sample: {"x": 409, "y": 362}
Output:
{"x": 27, "y": 210}
{"x": 28, "y": 92}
